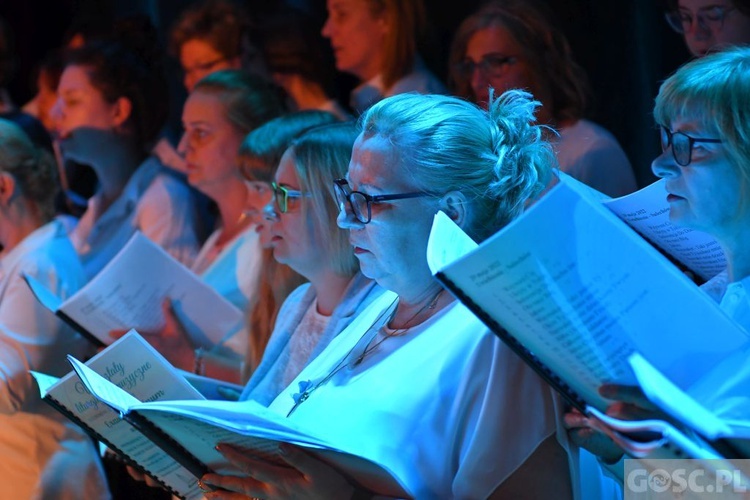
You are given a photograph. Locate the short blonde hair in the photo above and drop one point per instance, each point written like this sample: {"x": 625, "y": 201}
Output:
{"x": 715, "y": 89}
{"x": 496, "y": 158}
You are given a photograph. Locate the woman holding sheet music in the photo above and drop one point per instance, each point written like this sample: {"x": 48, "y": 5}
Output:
{"x": 704, "y": 119}
{"x": 43, "y": 454}
{"x": 221, "y": 110}
{"x": 416, "y": 382}
{"x": 303, "y": 235}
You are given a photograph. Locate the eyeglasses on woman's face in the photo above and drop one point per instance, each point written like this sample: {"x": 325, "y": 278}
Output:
{"x": 711, "y": 18}
{"x": 360, "y": 203}
{"x": 491, "y": 66}
{"x": 282, "y": 195}
{"x": 682, "y": 145}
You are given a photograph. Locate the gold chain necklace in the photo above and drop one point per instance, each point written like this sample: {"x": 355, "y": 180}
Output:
{"x": 307, "y": 387}
{"x": 429, "y": 306}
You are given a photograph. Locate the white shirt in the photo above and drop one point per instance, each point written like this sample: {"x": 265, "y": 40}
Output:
{"x": 726, "y": 390}
{"x": 154, "y": 201}
{"x": 234, "y": 272}
{"x": 447, "y": 407}
{"x": 592, "y": 155}
{"x": 421, "y": 80}
{"x": 43, "y": 454}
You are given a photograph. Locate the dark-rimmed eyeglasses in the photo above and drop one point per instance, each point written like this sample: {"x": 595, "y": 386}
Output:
{"x": 492, "y": 65}
{"x": 708, "y": 18}
{"x": 682, "y": 145}
{"x": 361, "y": 204}
{"x": 282, "y": 194}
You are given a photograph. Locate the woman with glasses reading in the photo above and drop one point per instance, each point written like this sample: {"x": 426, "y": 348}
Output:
{"x": 416, "y": 381}
{"x": 258, "y": 158}
{"x": 703, "y": 113}
{"x": 709, "y": 25}
{"x": 514, "y": 44}
{"x": 301, "y": 222}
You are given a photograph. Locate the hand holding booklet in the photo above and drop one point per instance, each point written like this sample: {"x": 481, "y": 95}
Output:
{"x": 154, "y": 418}
{"x": 575, "y": 290}
{"x": 129, "y": 291}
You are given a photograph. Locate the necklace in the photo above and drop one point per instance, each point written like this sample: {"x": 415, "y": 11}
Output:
{"x": 308, "y": 387}
{"x": 369, "y": 347}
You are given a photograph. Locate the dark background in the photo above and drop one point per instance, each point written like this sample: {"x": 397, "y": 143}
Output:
{"x": 626, "y": 48}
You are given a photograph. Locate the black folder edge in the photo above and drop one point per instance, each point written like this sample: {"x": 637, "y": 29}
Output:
{"x": 54, "y": 403}
{"x": 77, "y": 327}
{"x": 721, "y": 445}
{"x": 179, "y": 453}
{"x": 67, "y": 319}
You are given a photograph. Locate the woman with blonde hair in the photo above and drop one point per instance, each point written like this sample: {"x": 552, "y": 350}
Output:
{"x": 303, "y": 236}
{"x": 258, "y": 157}
{"x": 704, "y": 120}
{"x": 416, "y": 382}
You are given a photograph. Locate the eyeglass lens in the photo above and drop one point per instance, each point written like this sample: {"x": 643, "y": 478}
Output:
{"x": 280, "y": 196}
{"x": 680, "y": 145}
{"x": 357, "y": 202}
{"x": 712, "y": 17}
{"x": 492, "y": 65}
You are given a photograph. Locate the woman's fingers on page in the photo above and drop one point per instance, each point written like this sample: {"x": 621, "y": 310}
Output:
{"x": 631, "y": 394}
{"x": 231, "y": 487}
{"x": 318, "y": 476}
{"x": 595, "y": 442}
{"x": 628, "y": 411}
{"x": 258, "y": 469}
{"x": 139, "y": 476}
{"x": 574, "y": 419}
{"x": 172, "y": 324}
{"x": 135, "y": 473}
{"x": 305, "y": 477}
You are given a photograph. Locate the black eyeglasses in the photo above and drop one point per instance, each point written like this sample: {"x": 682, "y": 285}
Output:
{"x": 682, "y": 145}
{"x": 709, "y": 17}
{"x": 282, "y": 194}
{"x": 493, "y": 65}
{"x": 361, "y": 203}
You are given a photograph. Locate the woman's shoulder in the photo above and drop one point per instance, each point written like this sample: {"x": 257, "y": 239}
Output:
{"x": 163, "y": 190}
{"x": 164, "y": 180}
{"x": 421, "y": 79}
{"x": 49, "y": 256}
{"x": 587, "y": 131}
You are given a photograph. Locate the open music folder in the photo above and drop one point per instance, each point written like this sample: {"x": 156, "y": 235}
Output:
{"x": 575, "y": 290}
